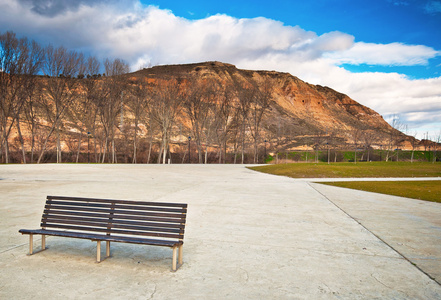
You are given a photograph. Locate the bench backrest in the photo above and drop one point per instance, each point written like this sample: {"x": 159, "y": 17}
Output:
{"x": 115, "y": 217}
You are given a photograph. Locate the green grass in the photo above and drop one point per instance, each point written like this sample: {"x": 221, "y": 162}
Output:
{"x": 423, "y": 190}
{"x": 358, "y": 170}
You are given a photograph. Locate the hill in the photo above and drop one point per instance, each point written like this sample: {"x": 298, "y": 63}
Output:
{"x": 212, "y": 111}
{"x": 299, "y": 112}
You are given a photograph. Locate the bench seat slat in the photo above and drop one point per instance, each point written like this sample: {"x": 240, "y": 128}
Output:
{"x": 98, "y": 237}
{"x": 116, "y": 212}
{"x": 61, "y": 204}
{"x": 99, "y": 224}
{"x": 143, "y": 203}
{"x": 62, "y": 219}
{"x": 123, "y": 239}
{"x": 145, "y": 217}
{"x": 116, "y": 231}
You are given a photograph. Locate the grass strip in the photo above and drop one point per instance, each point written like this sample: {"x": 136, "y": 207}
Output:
{"x": 358, "y": 170}
{"x": 422, "y": 190}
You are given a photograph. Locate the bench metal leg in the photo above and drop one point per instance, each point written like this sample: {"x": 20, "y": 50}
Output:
{"x": 180, "y": 255}
{"x": 31, "y": 244}
{"x": 107, "y": 249}
{"x": 98, "y": 251}
{"x": 177, "y": 257}
{"x": 174, "y": 258}
{"x": 43, "y": 242}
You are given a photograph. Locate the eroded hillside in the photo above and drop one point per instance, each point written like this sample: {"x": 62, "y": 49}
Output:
{"x": 211, "y": 110}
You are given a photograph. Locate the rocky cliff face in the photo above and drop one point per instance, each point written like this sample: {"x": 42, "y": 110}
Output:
{"x": 301, "y": 114}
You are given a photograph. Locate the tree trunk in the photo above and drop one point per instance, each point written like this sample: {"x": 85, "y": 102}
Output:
{"x": 32, "y": 147}
{"x": 45, "y": 144}
{"x": 21, "y": 141}
{"x": 6, "y": 147}
{"x": 79, "y": 147}
{"x": 164, "y": 154}
{"x": 243, "y": 143}
{"x": 220, "y": 154}
{"x": 206, "y": 147}
{"x": 160, "y": 153}
{"x": 150, "y": 149}
{"x": 225, "y": 151}
{"x": 184, "y": 156}
{"x": 95, "y": 152}
{"x": 104, "y": 150}
{"x": 33, "y": 126}
{"x": 134, "y": 143}
{"x": 134, "y": 153}
{"x": 114, "y": 158}
{"x": 199, "y": 151}
{"x": 164, "y": 145}
{"x": 58, "y": 145}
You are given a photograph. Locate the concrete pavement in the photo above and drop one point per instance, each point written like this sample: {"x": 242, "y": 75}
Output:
{"x": 249, "y": 236}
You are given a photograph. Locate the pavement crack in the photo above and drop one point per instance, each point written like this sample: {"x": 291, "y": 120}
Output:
{"x": 380, "y": 282}
{"x": 385, "y": 285}
{"x": 14, "y": 247}
{"x": 153, "y": 293}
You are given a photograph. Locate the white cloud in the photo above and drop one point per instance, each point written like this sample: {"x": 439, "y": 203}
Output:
{"x": 396, "y": 54}
{"x": 148, "y": 35}
{"x": 433, "y": 7}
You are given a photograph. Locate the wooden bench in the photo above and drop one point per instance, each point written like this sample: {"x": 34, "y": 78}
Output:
{"x": 148, "y": 223}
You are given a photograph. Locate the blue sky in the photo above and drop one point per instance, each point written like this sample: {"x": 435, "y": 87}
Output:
{"x": 413, "y": 22}
{"x": 385, "y": 54}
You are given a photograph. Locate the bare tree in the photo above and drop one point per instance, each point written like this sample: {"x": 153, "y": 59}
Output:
{"x": 368, "y": 138}
{"x": 197, "y": 102}
{"x": 30, "y": 112}
{"x": 20, "y": 59}
{"x": 356, "y": 136}
{"x": 260, "y": 103}
{"x": 93, "y": 94}
{"x": 111, "y": 103}
{"x": 166, "y": 106}
{"x": 245, "y": 94}
{"x": 61, "y": 66}
{"x": 395, "y": 136}
{"x": 318, "y": 141}
{"x": 138, "y": 104}
{"x": 224, "y": 120}
{"x": 209, "y": 131}
{"x": 414, "y": 143}
{"x": 83, "y": 112}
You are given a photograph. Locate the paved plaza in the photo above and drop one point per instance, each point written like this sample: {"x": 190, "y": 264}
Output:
{"x": 249, "y": 235}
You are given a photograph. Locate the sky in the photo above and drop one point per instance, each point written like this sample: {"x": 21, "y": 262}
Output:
{"x": 384, "y": 54}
